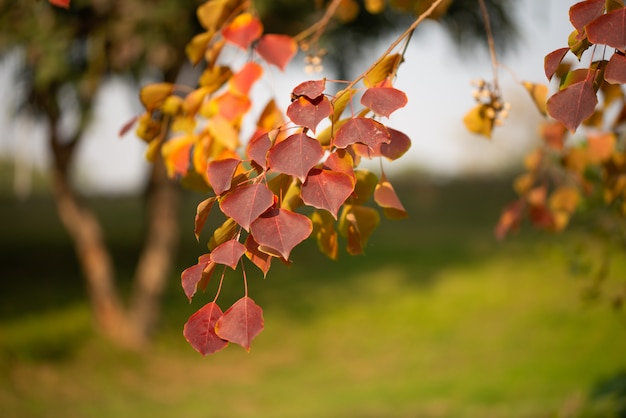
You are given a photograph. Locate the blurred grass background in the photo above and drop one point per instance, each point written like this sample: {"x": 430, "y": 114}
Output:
{"x": 436, "y": 320}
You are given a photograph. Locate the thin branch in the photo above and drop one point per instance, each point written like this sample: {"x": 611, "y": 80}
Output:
{"x": 318, "y": 28}
{"x": 491, "y": 44}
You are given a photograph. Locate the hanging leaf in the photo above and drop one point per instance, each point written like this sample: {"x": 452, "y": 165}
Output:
{"x": 325, "y": 234}
{"x": 230, "y": 106}
{"x": 584, "y": 12}
{"x": 278, "y": 231}
{"x": 600, "y": 147}
{"x": 398, "y": 145}
{"x": 223, "y": 132}
{"x": 241, "y": 323}
{"x": 257, "y": 150}
{"x": 199, "y": 330}
{"x": 243, "y": 80}
{"x": 325, "y": 189}
{"x": 202, "y": 213}
{"x": 243, "y": 30}
{"x": 296, "y": 155}
{"x": 194, "y": 100}
{"x": 609, "y": 29}
{"x": 60, "y": 3}
{"x": 228, "y": 253}
{"x": 554, "y": 134}
{"x": 153, "y": 95}
{"x": 309, "y": 89}
{"x": 277, "y": 50}
{"x": 220, "y": 174}
{"x": 366, "y": 182}
{"x": 176, "y": 154}
{"x": 309, "y": 113}
{"x": 361, "y": 130}
{"x": 385, "y": 196}
{"x": 565, "y": 198}
{"x": 478, "y": 120}
{"x": 509, "y": 219}
{"x": 357, "y": 223}
{"x": 573, "y": 104}
{"x": 615, "y": 72}
{"x": 382, "y": 70}
{"x": 215, "y": 77}
{"x": 223, "y": 233}
{"x": 192, "y": 276}
{"x": 196, "y": 48}
{"x": 260, "y": 259}
{"x": 384, "y": 100}
{"x": 553, "y": 60}
{"x": 341, "y": 100}
{"x": 213, "y": 14}
{"x": 341, "y": 161}
{"x": 247, "y": 203}
{"x": 539, "y": 94}
{"x": 271, "y": 118}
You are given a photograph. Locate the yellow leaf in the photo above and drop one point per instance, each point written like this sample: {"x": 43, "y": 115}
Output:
{"x": 223, "y": 132}
{"x": 213, "y": 14}
{"x": 382, "y": 70}
{"x": 196, "y": 48}
{"x": 324, "y": 232}
{"x": 564, "y": 198}
{"x": 271, "y": 117}
{"x": 215, "y": 77}
{"x": 153, "y": 95}
{"x": 533, "y": 160}
{"x": 341, "y": 100}
{"x": 539, "y": 94}
{"x": 194, "y": 100}
{"x": 523, "y": 183}
{"x": 375, "y": 6}
{"x": 152, "y": 153}
{"x": 223, "y": 233}
{"x": 172, "y": 105}
{"x": 477, "y": 121}
{"x": 357, "y": 223}
{"x": 347, "y": 11}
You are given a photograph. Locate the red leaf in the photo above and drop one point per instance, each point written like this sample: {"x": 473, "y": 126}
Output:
{"x": 609, "y": 29}
{"x": 361, "y": 130}
{"x": 260, "y": 259}
{"x": 573, "y": 104}
{"x": 60, "y": 3}
{"x": 553, "y": 60}
{"x": 277, "y": 50}
{"x": 340, "y": 161}
{"x": 243, "y": 30}
{"x": 228, "y": 253}
{"x": 326, "y": 189}
{"x": 615, "y": 72}
{"x": 278, "y": 231}
{"x": 192, "y": 276}
{"x": 220, "y": 174}
{"x": 386, "y": 197}
{"x": 296, "y": 155}
{"x": 384, "y": 100}
{"x": 202, "y": 213}
{"x": 127, "y": 126}
{"x": 246, "y": 203}
{"x": 241, "y": 322}
{"x": 399, "y": 143}
{"x": 199, "y": 330}
{"x": 257, "y": 149}
{"x": 309, "y": 113}
{"x": 584, "y": 12}
{"x": 242, "y": 81}
{"x": 509, "y": 219}
{"x": 311, "y": 89}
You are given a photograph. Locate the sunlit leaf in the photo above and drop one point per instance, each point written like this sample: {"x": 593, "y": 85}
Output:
{"x": 296, "y": 155}
{"x": 477, "y": 120}
{"x": 199, "y": 330}
{"x": 223, "y": 233}
{"x": 243, "y": 80}
{"x": 382, "y": 70}
{"x": 202, "y": 213}
{"x": 228, "y": 253}
{"x": 325, "y": 189}
{"x": 153, "y": 95}
{"x": 325, "y": 233}
{"x": 231, "y": 106}
{"x": 260, "y": 259}
{"x": 196, "y": 48}
{"x": 277, "y": 50}
{"x": 600, "y": 146}
{"x": 357, "y": 223}
{"x": 341, "y": 100}
{"x": 385, "y": 196}
{"x": 212, "y": 78}
{"x": 384, "y": 100}
{"x": 257, "y": 150}
{"x": 615, "y": 72}
{"x": 220, "y": 174}
{"x": 212, "y": 14}
{"x": 241, "y": 323}
{"x": 553, "y": 60}
{"x": 309, "y": 113}
{"x": 194, "y": 100}
{"x": 609, "y": 29}
{"x": 539, "y": 94}
{"x": 361, "y": 130}
{"x": 278, "y": 231}
{"x": 366, "y": 182}
{"x": 177, "y": 153}
{"x": 223, "y": 132}
{"x": 565, "y": 198}
{"x": 243, "y": 30}
{"x": 271, "y": 117}
{"x": 573, "y": 104}
{"x": 247, "y": 203}
{"x": 311, "y": 89}
{"x": 341, "y": 161}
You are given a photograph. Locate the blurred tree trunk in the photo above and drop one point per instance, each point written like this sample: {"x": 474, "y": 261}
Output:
{"x": 132, "y": 327}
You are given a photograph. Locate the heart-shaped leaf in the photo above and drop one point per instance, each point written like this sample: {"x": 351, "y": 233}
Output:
{"x": 153, "y": 95}
{"x": 277, "y": 50}
{"x": 324, "y": 231}
{"x": 257, "y": 149}
{"x": 310, "y": 89}
{"x": 241, "y": 323}
{"x": 384, "y": 100}
{"x": 243, "y": 30}
{"x": 609, "y": 29}
{"x": 220, "y": 174}
{"x": 386, "y": 197}
{"x": 243, "y": 80}
{"x": 573, "y": 104}
{"x": 228, "y": 253}
{"x": 278, "y": 231}
{"x": 295, "y": 155}
{"x": 584, "y": 12}
{"x": 202, "y": 212}
{"x": 199, "y": 330}
{"x": 553, "y": 60}
{"x": 192, "y": 276}
{"x": 309, "y": 113}
{"x": 361, "y": 130}
{"x": 246, "y": 203}
{"x": 615, "y": 72}
{"x": 325, "y": 189}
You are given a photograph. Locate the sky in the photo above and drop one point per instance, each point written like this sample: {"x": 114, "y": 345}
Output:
{"x": 435, "y": 77}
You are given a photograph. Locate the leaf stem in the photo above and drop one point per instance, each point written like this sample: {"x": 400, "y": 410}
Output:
{"x": 219, "y": 287}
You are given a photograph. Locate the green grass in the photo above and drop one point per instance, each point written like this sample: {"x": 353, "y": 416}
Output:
{"x": 437, "y": 320}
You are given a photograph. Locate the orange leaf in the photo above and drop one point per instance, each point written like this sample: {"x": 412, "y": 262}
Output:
{"x": 60, "y": 3}
{"x": 277, "y": 50}
{"x": 243, "y": 30}
{"x": 176, "y": 154}
{"x": 601, "y": 147}
{"x": 386, "y": 197}
{"x": 244, "y": 79}
{"x": 153, "y": 95}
